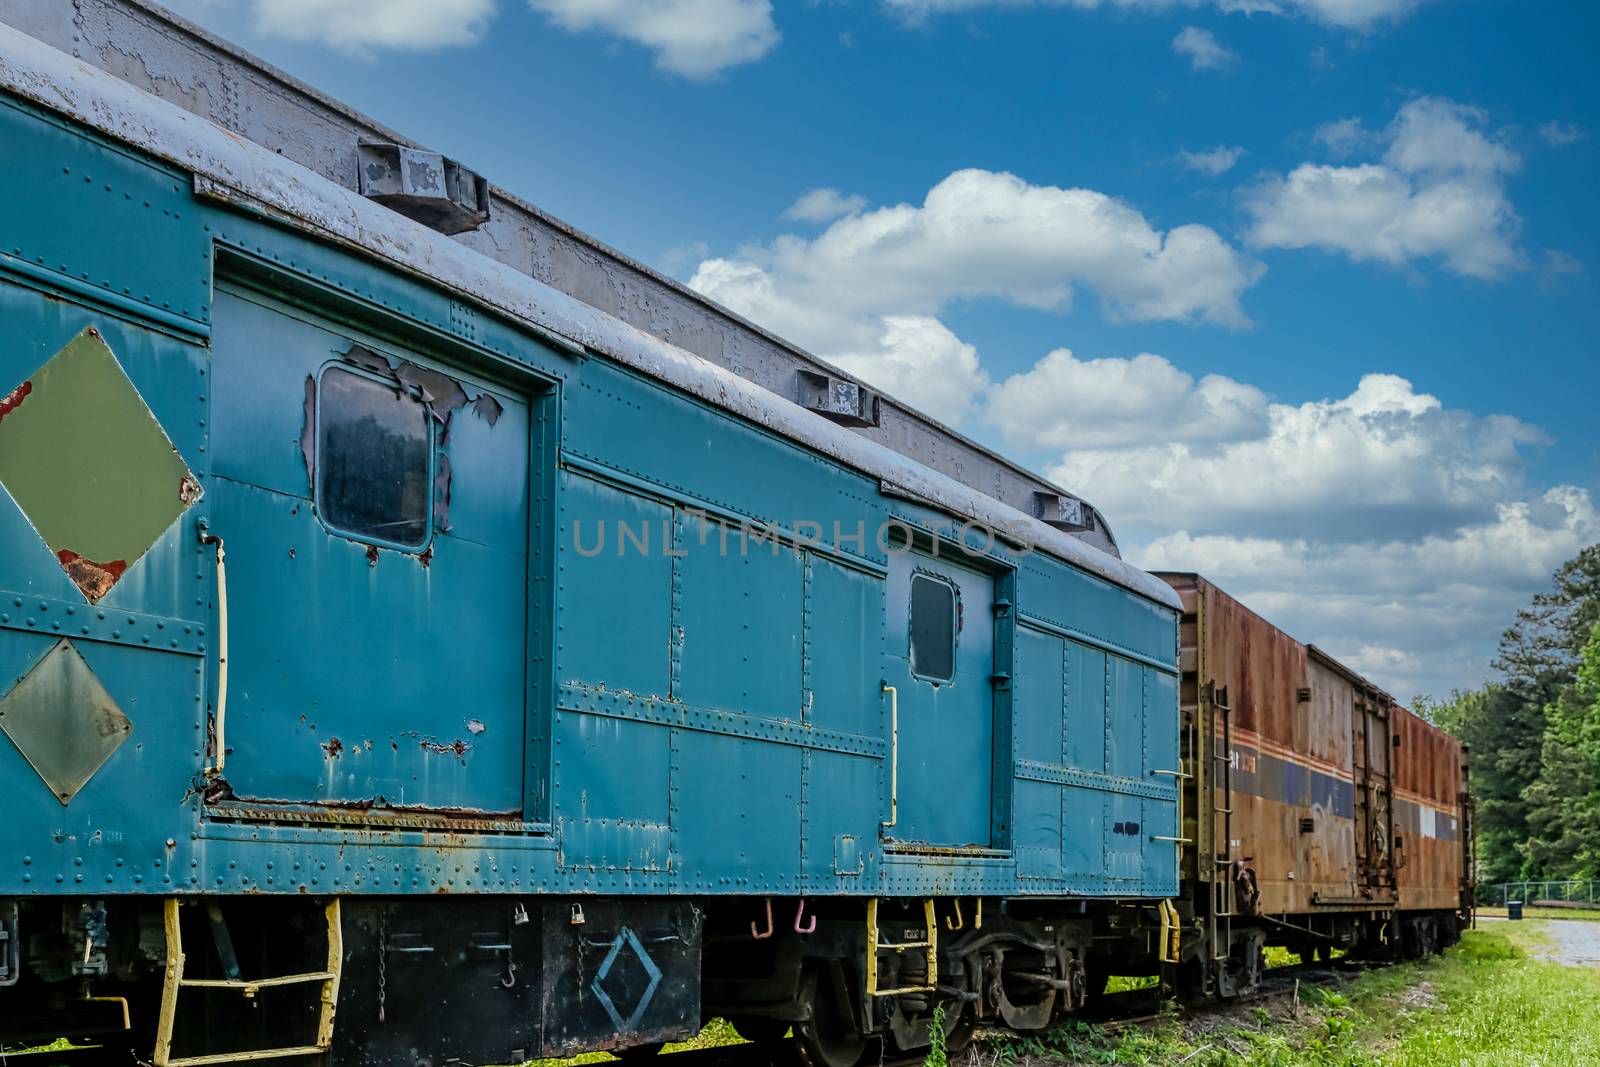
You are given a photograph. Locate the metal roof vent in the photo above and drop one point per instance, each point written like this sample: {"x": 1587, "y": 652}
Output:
{"x": 1062, "y": 512}
{"x": 438, "y": 192}
{"x": 845, "y": 402}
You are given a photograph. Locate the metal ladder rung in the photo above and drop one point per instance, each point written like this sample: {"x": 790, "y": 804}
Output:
{"x": 248, "y": 985}
{"x": 931, "y": 944}
{"x": 175, "y": 981}
{"x": 235, "y": 1057}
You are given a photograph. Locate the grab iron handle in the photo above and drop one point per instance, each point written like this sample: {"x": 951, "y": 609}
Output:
{"x": 894, "y": 755}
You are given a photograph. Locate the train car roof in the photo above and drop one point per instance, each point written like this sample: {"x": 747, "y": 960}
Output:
{"x": 1321, "y": 655}
{"x": 231, "y": 169}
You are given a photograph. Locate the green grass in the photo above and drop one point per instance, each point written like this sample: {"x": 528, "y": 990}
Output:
{"x": 715, "y": 1034}
{"x": 1485, "y": 1003}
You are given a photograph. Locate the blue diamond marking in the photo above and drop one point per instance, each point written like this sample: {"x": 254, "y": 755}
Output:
{"x": 626, "y": 937}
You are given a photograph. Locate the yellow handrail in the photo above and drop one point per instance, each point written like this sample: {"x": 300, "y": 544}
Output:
{"x": 894, "y": 755}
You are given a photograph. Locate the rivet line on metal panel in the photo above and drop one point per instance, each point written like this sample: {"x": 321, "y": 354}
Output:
{"x": 84, "y": 622}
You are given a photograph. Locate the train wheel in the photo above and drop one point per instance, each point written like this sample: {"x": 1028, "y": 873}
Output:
{"x": 828, "y": 1037}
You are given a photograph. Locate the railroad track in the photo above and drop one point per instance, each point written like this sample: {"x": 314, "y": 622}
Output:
{"x": 1116, "y": 1012}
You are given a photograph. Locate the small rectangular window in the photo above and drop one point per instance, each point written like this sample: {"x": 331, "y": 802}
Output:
{"x": 374, "y": 459}
{"x": 933, "y": 628}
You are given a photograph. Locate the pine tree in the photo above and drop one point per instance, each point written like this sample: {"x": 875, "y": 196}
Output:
{"x": 1564, "y": 803}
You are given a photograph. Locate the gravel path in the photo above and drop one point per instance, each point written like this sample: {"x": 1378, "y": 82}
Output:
{"x": 1574, "y": 942}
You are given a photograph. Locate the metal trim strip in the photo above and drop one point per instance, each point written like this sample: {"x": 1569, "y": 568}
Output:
{"x": 1036, "y": 771}
{"x": 54, "y": 617}
{"x": 54, "y": 279}
{"x": 584, "y": 700}
{"x": 1055, "y": 629}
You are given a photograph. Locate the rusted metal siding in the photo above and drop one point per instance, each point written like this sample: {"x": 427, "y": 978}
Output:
{"x": 1296, "y": 814}
{"x": 1430, "y": 791}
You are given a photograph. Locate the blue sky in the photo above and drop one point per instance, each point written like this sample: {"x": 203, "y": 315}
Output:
{"x": 1326, "y": 269}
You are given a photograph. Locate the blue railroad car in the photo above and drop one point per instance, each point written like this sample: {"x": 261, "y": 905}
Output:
{"x": 403, "y": 660}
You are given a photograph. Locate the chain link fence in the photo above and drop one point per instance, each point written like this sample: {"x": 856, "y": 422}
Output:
{"x": 1563, "y": 894}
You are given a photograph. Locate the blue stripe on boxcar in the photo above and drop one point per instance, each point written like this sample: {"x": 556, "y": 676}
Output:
{"x": 1289, "y": 782}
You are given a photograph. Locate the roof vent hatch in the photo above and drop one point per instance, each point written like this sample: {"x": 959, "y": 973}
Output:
{"x": 437, "y": 192}
{"x": 845, "y": 402}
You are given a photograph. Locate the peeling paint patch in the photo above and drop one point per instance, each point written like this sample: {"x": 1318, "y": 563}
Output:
{"x": 333, "y": 747}
{"x": 475, "y": 726}
{"x": 93, "y": 579}
{"x": 443, "y": 396}
{"x": 488, "y": 408}
{"x": 14, "y": 399}
{"x": 308, "y": 432}
{"x": 441, "y": 492}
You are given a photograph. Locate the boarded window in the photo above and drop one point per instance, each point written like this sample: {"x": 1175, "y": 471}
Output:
{"x": 933, "y": 628}
{"x": 374, "y": 459}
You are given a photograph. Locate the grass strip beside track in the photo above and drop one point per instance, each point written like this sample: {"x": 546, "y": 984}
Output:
{"x": 1485, "y": 1003}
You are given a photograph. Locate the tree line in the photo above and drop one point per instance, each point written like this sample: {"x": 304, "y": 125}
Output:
{"x": 1534, "y": 736}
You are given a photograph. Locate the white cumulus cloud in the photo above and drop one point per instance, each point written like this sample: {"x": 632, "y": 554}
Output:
{"x": 1215, "y": 162}
{"x": 1414, "y": 614}
{"x": 870, "y": 286}
{"x": 981, "y": 234}
{"x": 1395, "y": 531}
{"x": 919, "y": 361}
{"x": 824, "y": 205}
{"x": 1560, "y": 134}
{"x": 692, "y": 38}
{"x": 1064, "y": 402}
{"x": 1383, "y": 458}
{"x": 1438, "y": 191}
{"x": 1344, "y": 137}
{"x": 1203, "y": 50}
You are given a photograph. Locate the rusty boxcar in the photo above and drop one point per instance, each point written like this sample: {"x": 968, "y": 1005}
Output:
{"x": 1322, "y": 813}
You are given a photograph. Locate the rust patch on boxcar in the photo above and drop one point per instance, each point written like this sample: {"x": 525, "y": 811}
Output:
{"x": 458, "y": 747}
{"x": 14, "y": 399}
{"x": 95, "y": 579}
{"x": 333, "y": 747}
